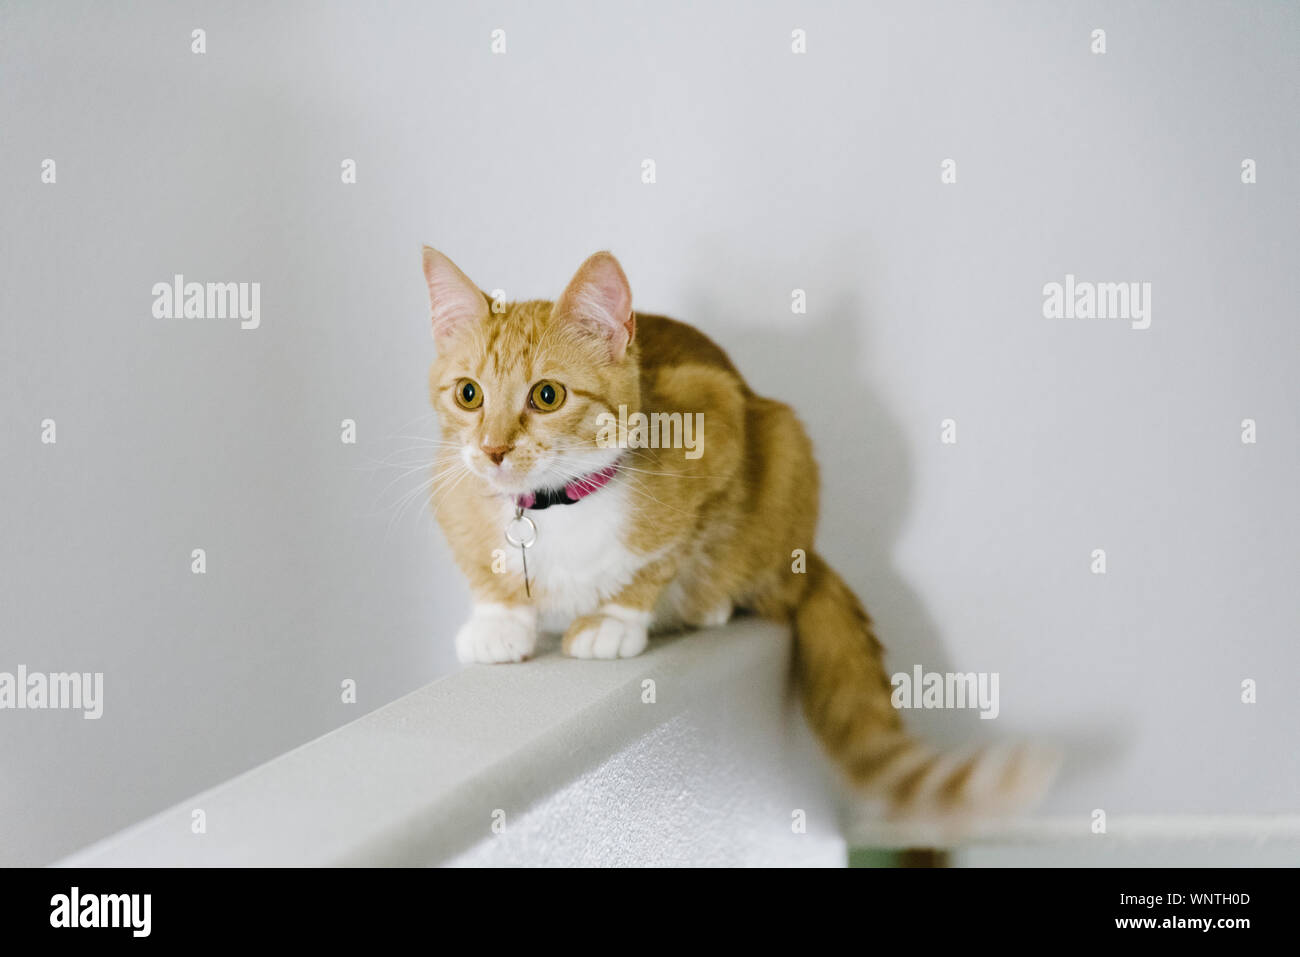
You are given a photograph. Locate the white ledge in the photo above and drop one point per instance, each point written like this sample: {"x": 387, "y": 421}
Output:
{"x": 1140, "y": 829}
{"x": 565, "y": 753}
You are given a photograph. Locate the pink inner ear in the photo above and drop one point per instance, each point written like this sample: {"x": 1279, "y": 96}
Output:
{"x": 599, "y": 297}
{"x": 454, "y": 299}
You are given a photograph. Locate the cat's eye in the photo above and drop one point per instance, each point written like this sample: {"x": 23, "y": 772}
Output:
{"x": 468, "y": 394}
{"x": 546, "y": 396}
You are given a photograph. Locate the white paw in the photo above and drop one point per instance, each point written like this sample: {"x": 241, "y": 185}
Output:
{"x": 497, "y": 633}
{"x": 717, "y": 617}
{"x": 614, "y": 632}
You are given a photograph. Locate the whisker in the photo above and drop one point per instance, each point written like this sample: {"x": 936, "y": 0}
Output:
{"x": 384, "y": 462}
{"x": 447, "y": 494}
{"x": 628, "y": 468}
{"x": 442, "y": 481}
{"x": 402, "y": 503}
{"x": 417, "y": 468}
{"x": 426, "y": 439}
{"x": 636, "y": 487}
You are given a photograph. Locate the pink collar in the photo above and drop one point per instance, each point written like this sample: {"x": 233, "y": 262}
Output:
{"x": 575, "y": 491}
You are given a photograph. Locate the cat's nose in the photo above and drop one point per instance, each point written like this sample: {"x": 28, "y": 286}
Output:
{"x": 496, "y": 452}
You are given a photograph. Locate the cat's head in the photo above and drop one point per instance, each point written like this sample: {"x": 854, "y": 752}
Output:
{"x": 519, "y": 387}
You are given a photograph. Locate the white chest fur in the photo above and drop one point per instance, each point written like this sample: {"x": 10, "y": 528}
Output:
{"x": 579, "y": 560}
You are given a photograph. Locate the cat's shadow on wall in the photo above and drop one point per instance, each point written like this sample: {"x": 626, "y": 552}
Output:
{"x": 815, "y": 364}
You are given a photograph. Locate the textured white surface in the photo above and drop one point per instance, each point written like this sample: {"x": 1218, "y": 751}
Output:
{"x": 566, "y": 753}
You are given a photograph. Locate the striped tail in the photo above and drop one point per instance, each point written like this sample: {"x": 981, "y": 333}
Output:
{"x": 846, "y": 696}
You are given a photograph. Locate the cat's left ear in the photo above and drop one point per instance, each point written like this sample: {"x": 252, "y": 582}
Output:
{"x": 599, "y": 298}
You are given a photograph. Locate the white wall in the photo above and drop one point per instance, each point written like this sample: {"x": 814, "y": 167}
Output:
{"x": 775, "y": 172}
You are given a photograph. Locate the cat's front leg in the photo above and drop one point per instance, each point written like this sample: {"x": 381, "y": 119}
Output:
{"x": 497, "y": 632}
{"x": 620, "y": 628}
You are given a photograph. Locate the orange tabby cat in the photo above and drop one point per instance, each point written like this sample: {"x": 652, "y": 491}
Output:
{"x": 624, "y": 539}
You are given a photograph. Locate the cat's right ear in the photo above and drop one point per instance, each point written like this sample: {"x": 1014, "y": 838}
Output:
{"x": 455, "y": 300}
